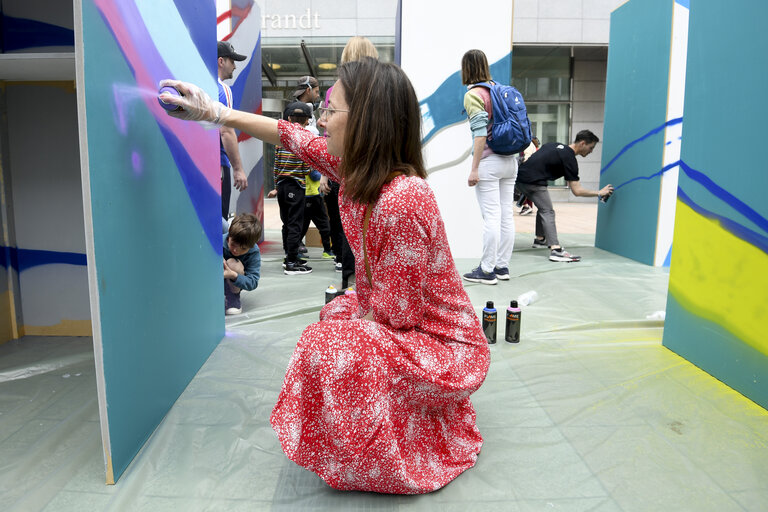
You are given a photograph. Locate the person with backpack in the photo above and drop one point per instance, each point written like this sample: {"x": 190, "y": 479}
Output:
{"x": 494, "y": 162}
{"x": 552, "y": 161}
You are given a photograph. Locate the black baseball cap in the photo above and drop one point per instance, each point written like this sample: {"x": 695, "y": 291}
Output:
{"x": 226, "y": 50}
{"x": 297, "y": 109}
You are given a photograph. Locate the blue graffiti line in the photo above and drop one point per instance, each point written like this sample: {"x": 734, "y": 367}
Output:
{"x": 715, "y": 189}
{"x": 23, "y": 33}
{"x": 636, "y": 178}
{"x": 725, "y": 196}
{"x": 656, "y": 130}
{"x": 202, "y": 195}
{"x": 23, "y": 259}
{"x": 746, "y": 234}
{"x": 444, "y": 106}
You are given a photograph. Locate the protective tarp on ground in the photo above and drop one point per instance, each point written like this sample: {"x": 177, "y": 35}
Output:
{"x": 587, "y": 412}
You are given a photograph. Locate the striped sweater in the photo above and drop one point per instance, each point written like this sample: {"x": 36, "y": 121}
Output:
{"x": 288, "y": 165}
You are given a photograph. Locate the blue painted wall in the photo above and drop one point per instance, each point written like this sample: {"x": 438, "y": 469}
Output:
{"x": 718, "y": 297}
{"x": 635, "y": 114}
{"x": 155, "y": 199}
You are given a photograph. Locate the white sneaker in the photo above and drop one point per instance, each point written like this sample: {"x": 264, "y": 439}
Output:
{"x": 233, "y": 311}
{"x": 562, "y": 255}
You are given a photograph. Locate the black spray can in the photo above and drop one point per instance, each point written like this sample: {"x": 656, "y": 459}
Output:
{"x": 489, "y": 322}
{"x": 512, "y": 329}
{"x": 330, "y": 294}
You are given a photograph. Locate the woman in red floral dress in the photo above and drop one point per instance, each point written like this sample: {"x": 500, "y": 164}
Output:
{"x": 376, "y": 395}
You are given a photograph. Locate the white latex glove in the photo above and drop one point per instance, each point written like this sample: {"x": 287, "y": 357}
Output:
{"x": 195, "y": 104}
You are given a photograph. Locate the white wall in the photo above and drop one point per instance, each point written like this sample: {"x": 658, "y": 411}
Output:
{"x": 47, "y": 203}
{"x": 563, "y": 21}
{"x": 430, "y": 53}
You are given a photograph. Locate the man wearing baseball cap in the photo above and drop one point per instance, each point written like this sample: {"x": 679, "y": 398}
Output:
{"x": 230, "y": 154}
{"x": 308, "y": 91}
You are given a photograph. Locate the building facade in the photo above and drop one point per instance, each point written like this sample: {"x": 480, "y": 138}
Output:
{"x": 560, "y": 51}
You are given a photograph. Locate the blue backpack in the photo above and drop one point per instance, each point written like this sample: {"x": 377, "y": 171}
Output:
{"x": 510, "y": 128}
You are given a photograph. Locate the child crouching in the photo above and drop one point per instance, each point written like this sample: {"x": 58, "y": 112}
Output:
{"x": 242, "y": 260}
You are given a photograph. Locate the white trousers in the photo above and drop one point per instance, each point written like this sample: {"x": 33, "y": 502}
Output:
{"x": 496, "y": 196}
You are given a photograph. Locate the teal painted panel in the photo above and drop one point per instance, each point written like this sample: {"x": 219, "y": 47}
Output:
{"x": 635, "y": 106}
{"x": 726, "y": 186}
{"x": 726, "y": 88}
{"x": 716, "y": 351}
{"x": 155, "y": 199}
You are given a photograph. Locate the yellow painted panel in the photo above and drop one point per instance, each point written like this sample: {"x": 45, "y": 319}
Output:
{"x": 63, "y": 328}
{"x": 7, "y": 318}
{"x": 718, "y": 276}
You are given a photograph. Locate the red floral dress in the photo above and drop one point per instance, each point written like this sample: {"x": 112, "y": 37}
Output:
{"x": 384, "y": 405}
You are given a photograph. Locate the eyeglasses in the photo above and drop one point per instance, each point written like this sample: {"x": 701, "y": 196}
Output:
{"x": 328, "y": 112}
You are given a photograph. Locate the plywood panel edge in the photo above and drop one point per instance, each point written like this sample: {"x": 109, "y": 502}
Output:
{"x": 93, "y": 286}
{"x": 678, "y": 56}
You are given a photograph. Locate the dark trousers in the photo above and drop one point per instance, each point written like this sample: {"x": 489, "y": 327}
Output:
{"x": 314, "y": 210}
{"x": 332, "y": 208}
{"x": 290, "y": 199}
{"x": 341, "y": 249}
{"x": 545, "y": 214}
{"x": 226, "y": 190}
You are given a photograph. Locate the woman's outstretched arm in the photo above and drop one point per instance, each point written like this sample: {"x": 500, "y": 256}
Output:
{"x": 196, "y": 105}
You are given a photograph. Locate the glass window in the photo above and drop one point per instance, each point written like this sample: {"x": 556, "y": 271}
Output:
{"x": 543, "y": 77}
{"x": 542, "y": 73}
{"x": 287, "y": 61}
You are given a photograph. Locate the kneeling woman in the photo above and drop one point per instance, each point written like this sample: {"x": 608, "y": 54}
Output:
{"x": 376, "y": 395}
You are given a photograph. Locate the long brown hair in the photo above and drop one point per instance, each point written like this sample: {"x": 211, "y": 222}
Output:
{"x": 383, "y": 131}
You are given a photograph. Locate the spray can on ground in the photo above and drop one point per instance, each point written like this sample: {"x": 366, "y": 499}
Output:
{"x": 528, "y": 298}
{"x": 512, "y": 329}
{"x": 330, "y": 294}
{"x": 489, "y": 322}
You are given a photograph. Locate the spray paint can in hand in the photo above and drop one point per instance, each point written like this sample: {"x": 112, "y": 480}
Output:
{"x": 489, "y": 322}
{"x": 172, "y": 91}
{"x": 330, "y": 294}
{"x": 512, "y": 329}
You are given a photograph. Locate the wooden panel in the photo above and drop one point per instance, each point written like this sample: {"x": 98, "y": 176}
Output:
{"x": 718, "y": 289}
{"x": 152, "y": 210}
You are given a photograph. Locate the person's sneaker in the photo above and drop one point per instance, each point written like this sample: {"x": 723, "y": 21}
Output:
{"x": 563, "y": 255}
{"x": 301, "y": 261}
{"x": 232, "y": 302}
{"x": 501, "y": 273}
{"x": 338, "y": 266}
{"x": 328, "y": 255}
{"x": 526, "y": 210}
{"x": 294, "y": 268}
{"x": 303, "y": 249}
{"x": 538, "y": 243}
{"x": 478, "y": 275}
